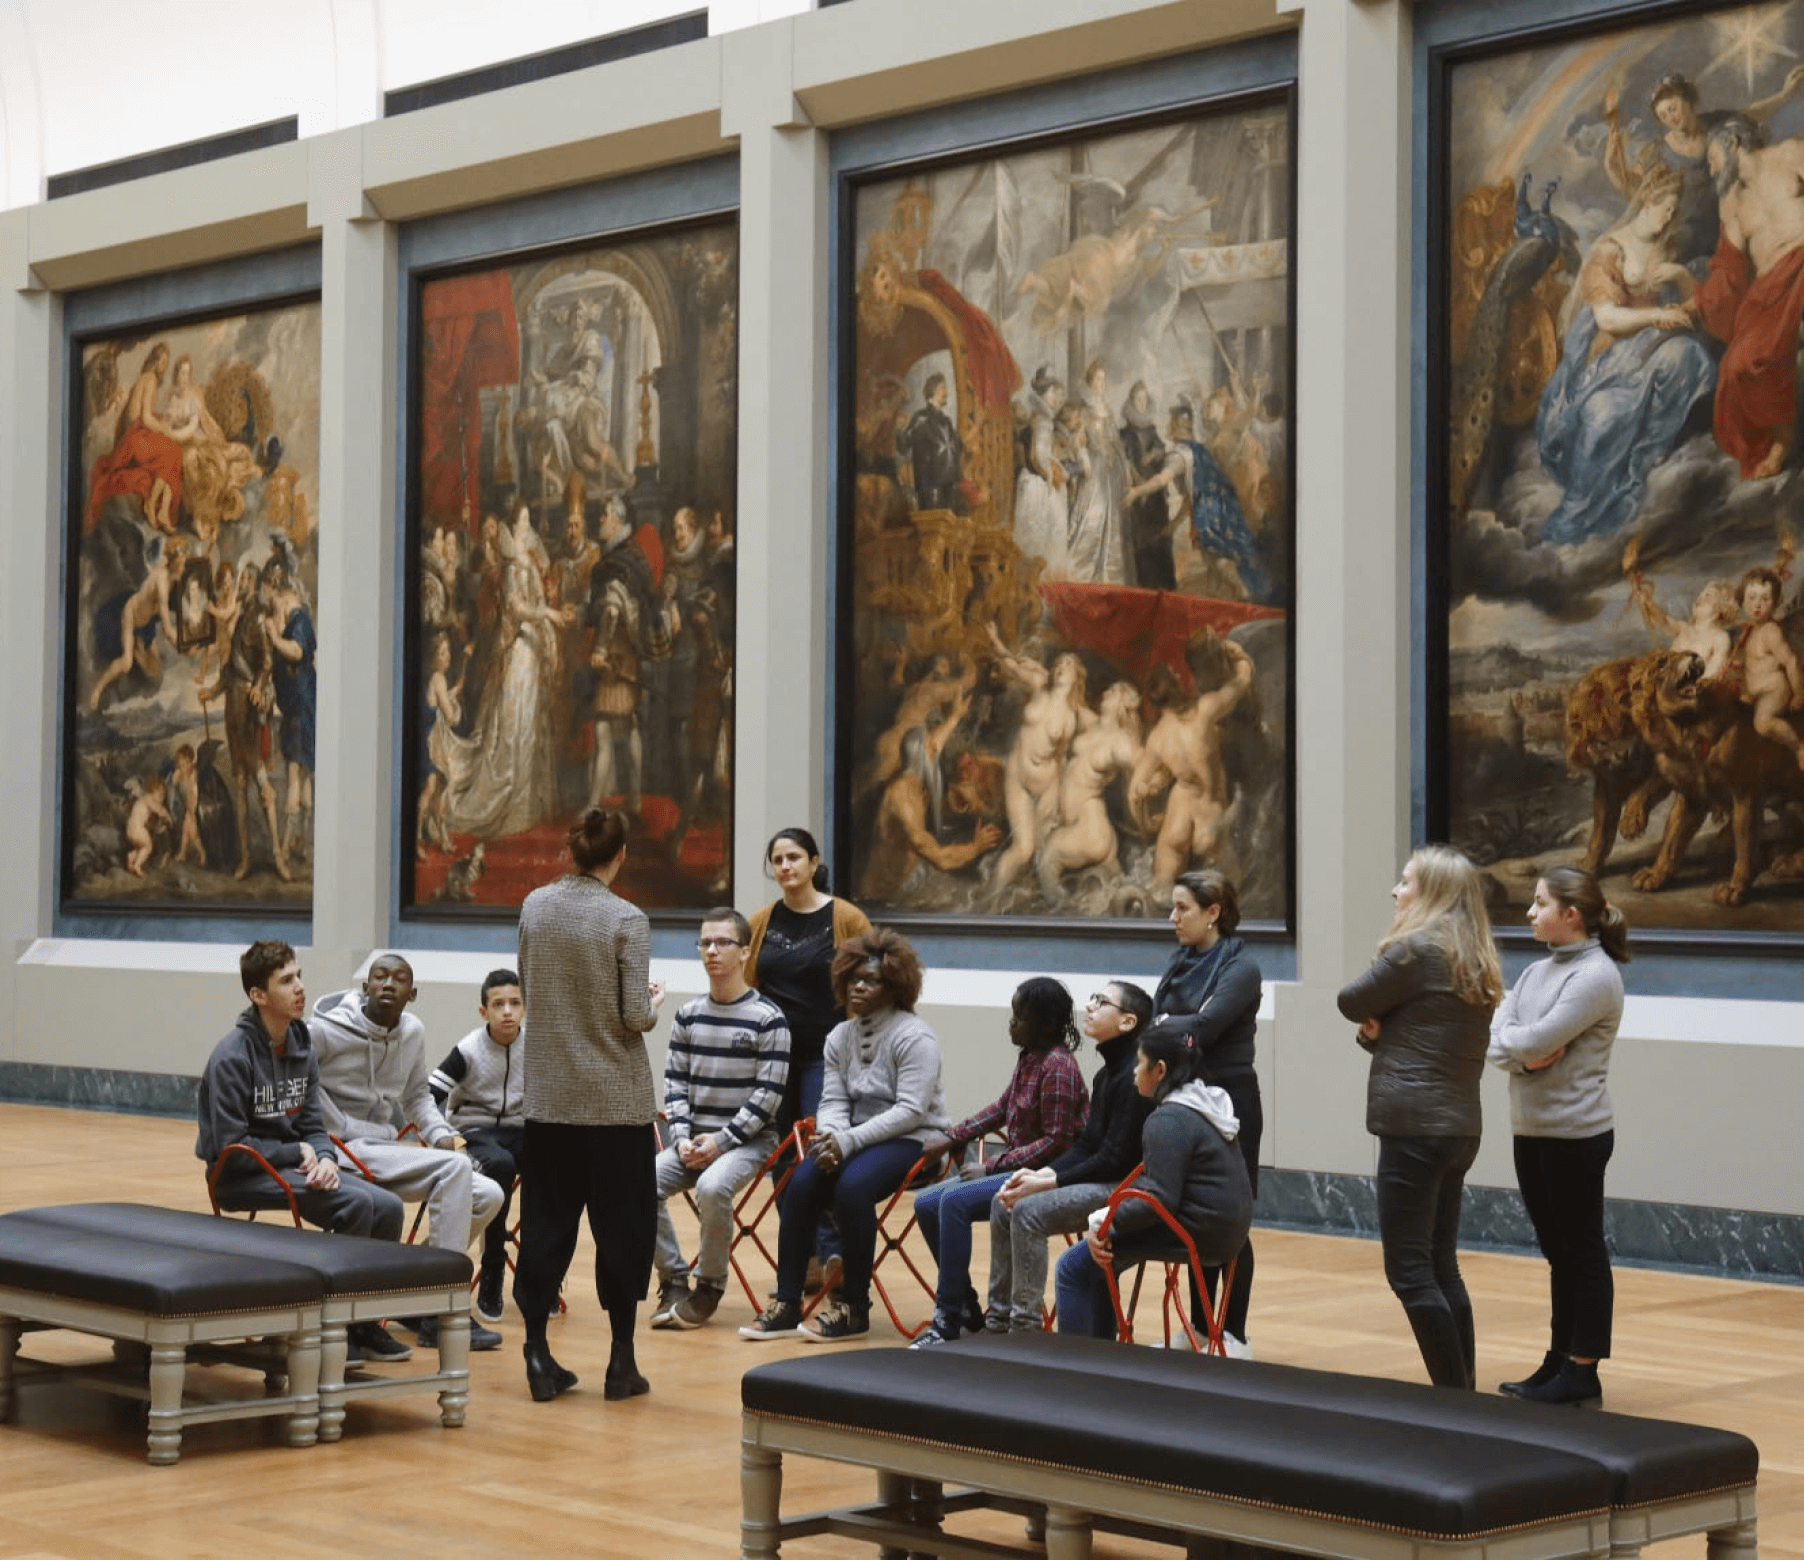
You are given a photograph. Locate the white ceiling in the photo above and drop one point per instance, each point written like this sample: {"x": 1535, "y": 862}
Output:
{"x": 92, "y": 81}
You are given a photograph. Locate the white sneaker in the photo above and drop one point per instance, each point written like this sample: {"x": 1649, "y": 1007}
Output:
{"x": 1238, "y": 1348}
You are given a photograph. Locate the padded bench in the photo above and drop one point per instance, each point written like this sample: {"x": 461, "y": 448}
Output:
{"x": 1667, "y": 1479}
{"x": 360, "y": 1280}
{"x": 1106, "y": 1436}
{"x": 168, "y": 1298}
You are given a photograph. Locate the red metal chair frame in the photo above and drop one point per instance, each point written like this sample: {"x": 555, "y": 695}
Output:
{"x": 1211, "y": 1342}
{"x": 294, "y": 1208}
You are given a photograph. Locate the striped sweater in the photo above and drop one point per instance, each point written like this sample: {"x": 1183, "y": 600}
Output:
{"x": 726, "y": 1068}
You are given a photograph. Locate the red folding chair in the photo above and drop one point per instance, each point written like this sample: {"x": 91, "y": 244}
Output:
{"x": 1211, "y": 1342}
{"x": 231, "y": 1149}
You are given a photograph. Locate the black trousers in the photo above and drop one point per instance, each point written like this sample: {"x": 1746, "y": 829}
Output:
{"x": 1420, "y": 1184}
{"x": 497, "y": 1152}
{"x": 606, "y": 1172}
{"x": 1562, "y": 1181}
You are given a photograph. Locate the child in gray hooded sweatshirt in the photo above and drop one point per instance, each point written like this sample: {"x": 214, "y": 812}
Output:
{"x": 1192, "y": 1167}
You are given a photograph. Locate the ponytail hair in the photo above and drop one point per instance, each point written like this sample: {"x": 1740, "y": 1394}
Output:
{"x": 804, "y": 841}
{"x": 597, "y": 838}
{"x": 1177, "y": 1049}
{"x": 1573, "y": 888}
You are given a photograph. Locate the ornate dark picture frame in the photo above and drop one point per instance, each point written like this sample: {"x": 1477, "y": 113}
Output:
{"x": 1609, "y": 468}
{"x": 570, "y": 571}
{"x": 1065, "y": 522}
{"x": 190, "y": 625}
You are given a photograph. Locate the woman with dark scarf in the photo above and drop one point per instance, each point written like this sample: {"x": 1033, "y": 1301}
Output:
{"x": 1210, "y": 991}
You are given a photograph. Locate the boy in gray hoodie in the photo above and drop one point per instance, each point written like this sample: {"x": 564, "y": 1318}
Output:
{"x": 373, "y": 1073}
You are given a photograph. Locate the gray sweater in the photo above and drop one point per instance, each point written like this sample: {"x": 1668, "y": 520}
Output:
{"x": 881, "y": 1081}
{"x": 1569, "y": 1002}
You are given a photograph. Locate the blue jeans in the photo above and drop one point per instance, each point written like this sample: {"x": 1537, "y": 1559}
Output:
{"x": 946, "y": 1213}
{"x": 852, "y": 1192}
{"x": 1080, "y": 1285}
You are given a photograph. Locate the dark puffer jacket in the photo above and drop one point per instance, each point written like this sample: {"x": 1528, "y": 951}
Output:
{"x": 1430, "y": 1050}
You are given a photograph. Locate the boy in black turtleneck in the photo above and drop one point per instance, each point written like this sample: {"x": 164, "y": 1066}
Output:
{"x": 1035, "y": 1205}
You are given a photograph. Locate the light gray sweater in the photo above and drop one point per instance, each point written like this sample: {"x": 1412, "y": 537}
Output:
{"x": 1570, "y": 1003}
{"x": 881, "y": 1081}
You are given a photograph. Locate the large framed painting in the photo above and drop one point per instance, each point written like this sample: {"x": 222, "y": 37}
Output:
{"x": 1617, "y": 278}
{"x": 574, "y": 428}
{"x": 191, "y": 629}
{"x": 1065, "y": 522}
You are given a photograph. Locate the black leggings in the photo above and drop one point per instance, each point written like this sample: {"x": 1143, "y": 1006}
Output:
{"x": 1562, "y": 1181}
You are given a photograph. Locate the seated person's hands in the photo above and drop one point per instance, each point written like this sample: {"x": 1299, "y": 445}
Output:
{"x": 935, "y": 1145}
{"x": 321, "y": 1174}
{"x": 1101, "y": 1252}
{"x": 1024, "y": 1183}
{"x": 975, "y": 1171}
{"x": 826, "y": 1152}
{"x": 698, "y": 1153}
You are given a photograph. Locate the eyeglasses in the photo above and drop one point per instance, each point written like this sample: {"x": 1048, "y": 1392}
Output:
{"x": 709, "y": 944}
{"x": 1103, "y": 999}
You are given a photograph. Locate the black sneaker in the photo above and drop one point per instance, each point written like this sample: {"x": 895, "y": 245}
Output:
{"x": 838, "y": 1322}
{"x": 780, "y": 1319}
{"x": 942, "y": 1329}
{"x": 375, "y": 1344}
{"x": 426, "y": 1335}
{"x": 671, "y": 1293}
{"x": 489, "y": 1298}
{"x": 697, "y": 1308}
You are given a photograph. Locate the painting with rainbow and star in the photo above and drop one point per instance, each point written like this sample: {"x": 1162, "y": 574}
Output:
{"x": 1622, "y": 226}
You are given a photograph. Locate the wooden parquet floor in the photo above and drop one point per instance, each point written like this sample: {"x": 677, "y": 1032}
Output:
{"x": 658, "y": 1476}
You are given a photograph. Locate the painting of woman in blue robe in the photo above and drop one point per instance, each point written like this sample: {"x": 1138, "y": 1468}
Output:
{"x": 1630, "y": 374}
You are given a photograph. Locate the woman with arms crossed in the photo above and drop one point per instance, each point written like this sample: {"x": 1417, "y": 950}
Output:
{"x": 1424, "y": 1012}
{"x": 1210, "y": 991}
{"x": 585, "y": 968}
{"x": 1553, "y": 1036}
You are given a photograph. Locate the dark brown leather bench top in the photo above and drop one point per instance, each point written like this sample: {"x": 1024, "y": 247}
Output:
{"x": 145, "y": 1276}
{"x": 346, "y": 1264}
{"x": 1429, "y": 1482}
{"x": 1648, "y": 1460}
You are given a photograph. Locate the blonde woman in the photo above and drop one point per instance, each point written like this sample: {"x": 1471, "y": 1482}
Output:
{"x": 1424, "y": 1012}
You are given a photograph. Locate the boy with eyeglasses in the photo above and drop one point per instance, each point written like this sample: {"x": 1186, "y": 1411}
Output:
{"x": 723, "y": 1086}
{"x": 1058, "y": 1199}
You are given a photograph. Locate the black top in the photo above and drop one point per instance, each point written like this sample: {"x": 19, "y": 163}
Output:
{"x": 1214, "y": 994}
{"x": 1109, "y": 1145}
{"x": 795, "y": 970}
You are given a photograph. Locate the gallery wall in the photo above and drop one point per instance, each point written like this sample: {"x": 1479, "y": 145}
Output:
{"x": 117, "y": 1007}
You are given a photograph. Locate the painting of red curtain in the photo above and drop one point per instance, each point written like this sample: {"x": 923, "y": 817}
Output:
{"x": 1066, "y": 656}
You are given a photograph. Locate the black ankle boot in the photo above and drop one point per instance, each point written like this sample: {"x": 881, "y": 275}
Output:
{"x": 1548, "y": 1369}
{"x": 1574, "y": 1386}
{"x": 623, "y": 1379}
{"x": 545, "y": 1378}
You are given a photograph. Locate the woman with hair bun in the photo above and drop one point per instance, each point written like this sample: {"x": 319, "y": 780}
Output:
{"x": 790, "y": 961}
{"x": 1193, "y": 1168}
{"x": 1210, "y": 991}
{"x": 590, "y": 1146}
{"x": 1424, "y": 1012}
{"x": 880, "y": 1096}
{"x": 1553, "y": 1036}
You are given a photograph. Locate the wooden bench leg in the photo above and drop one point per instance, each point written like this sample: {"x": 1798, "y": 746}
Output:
{"x": 1067, "y": 1534}
{"x": 760, "y": 1502}
{"x": 9, "y": 1354}
{"x": 331, "y": 1380}
{"x": 454, "y": 1361}
{"x": 1739, "y": 1542}
{"x": 303, "y": 1383}
{"x": 168, "y": 1372}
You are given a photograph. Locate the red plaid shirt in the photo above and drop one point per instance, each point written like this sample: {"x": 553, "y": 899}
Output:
{"x": 1040, "y": 1114}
